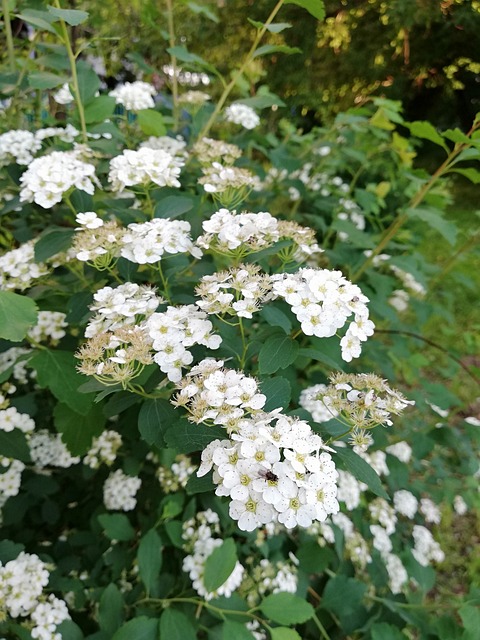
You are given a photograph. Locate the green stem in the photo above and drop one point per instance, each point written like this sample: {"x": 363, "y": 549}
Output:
{"x": 73, "y": 68}
{"x": 8, "y": 34}
{"x": 244, "y": 344}
{"x": 226, "y": 92}
{"x": 171, "y": 37}
{"x": 466, "y": 246}
{"x": 321, "y": 628}
{"x": 396, "y": 225}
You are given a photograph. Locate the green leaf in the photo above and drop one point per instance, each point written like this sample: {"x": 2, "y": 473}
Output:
{"x": 286, "y": 608}
{"x": 52, "y": 241}
{"x": 278, "y": 392}
{"x": 99, "y": 109}
{"x": 149, "y": 558}
{"x": 435, "y": 221}
{"x": 110, "y": 610}
{"x": 88, "y": 82}
{"x": 343, "y": 595}
{"x": 56, "y": 371}
{"x": 219, "y": 565}
{"x": 232, "y": 630}
{"x": 151, "y": 122}
{"x": 470, "y": 616}
{"x": 426, "y": 131}
{"x": 199, "y": 485}
{"x": 174, "y": 625}
{"x": 455, "y": 135}
{"x": 181, "y": 53}
{"x": 276, "y": 318}
{"x": 313, "y": 558}
{"x": 39, "y": 19}
{"x": 173, "y": 206}
{"x": 68, "y": 630}
{"x": 155, "y": 417}
{"x": 278, "y": 352}
{"x": 471, "y": 174}
{"x": 268, "y": 49}
{"x": 315, "y": 7}
{"x": 141, "y": 628}
{"x": 78, "y": 430}
{"x": 116, "y": 526}
{"x": 73, "y": 17}
{"x": 316, "y": 354}
{"x": 10, "y": 550}
{"x": 187, "y": 438}
{"x": 205, "y": 11}
{"x": 13, "y": 444}
{"x": 274, "y": 27}
{"x": 382, "y": 630}
{"x": 45, "y": 80}
{"x": 17, "y": 314}
{"x": 362, "y": 471}
{"x": 284, "y": 633}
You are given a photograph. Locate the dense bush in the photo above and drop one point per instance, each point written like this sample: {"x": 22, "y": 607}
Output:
{"x": 206, "y": 354}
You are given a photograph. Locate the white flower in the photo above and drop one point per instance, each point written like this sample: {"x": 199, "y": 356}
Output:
{"x": 18, "y": 146}
{"x": 141, "y": 167}
{"x": 89, "y": 219}
{"x": 242, "y": 114}
{"x": 63, "y": 95}
{"x": 134, "y": 96}
{"x": 405, "y": 503}
{"x": 119, "y": 491}
{"x": 251, "y": 513}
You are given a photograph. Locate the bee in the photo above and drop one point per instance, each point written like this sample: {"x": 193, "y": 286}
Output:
{"x": 268, "y": 475}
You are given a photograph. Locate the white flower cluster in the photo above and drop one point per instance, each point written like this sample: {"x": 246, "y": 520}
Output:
{"x": 49, "y": 177}
{"x": 250, "y": 288}
{"x": 218, "y": 179}
{"x": 103, "y": 450}
{"x": 125, "y": 305}
{"x": 198, "y": 536}
{"x": 228, "y": 231}
{"x": 50, "y": 327}
{"x": 405, "y": 503}
{"x": 209, "y": 151}
{"x": 270, "y": 577}
{"x": 63, "y": 95}
{"x": 400, "y": 450}
{"x": 134, "y": 96}
{"x": 144, "y": 166}
{"x": 195, "y": 98}
{"x": 364, "y": 400}
{"x": 242, "y": 114}
{"x": 18, "y": 267}
{"x": 120, "y": 490}
{"x": 173, "y": 331}
{"x": 12, "y": 358}
{"x": 18, "y": 146}
{"x": 176, "y": 476}
{"x": 430, "y": 511}
{"x": 147, "y": 243}
{"x": 21, "y": 594}
{"x": 311, "y": 400}
{"x": 97, "y": 242}
{"x": 174, "y": 146}
{"x": 11, "y": 419}
{"x": 48, "y": 450}
{"x": 10, "y": 478}
{"x": 323, "y": 300}
{"x": 426, "y": 549}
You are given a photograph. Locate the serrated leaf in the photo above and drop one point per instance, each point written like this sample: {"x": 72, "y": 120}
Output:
{"x": 425, "y": 130}
{"x": 174, "y": 625}
{"x": 278, "y": 392}
{"x": 268, "y": 49}
{"x": 56, "y": 371}
{"x": 362, "y": 471}
{"x": 17, "y": 314}
{"x": 343, "y": 595}
{"x": 382, "y": 630}
{"x": 284, "y": 633}
{"x": 315, "y": 7}
{"x": 151, "y": 122}
{"x": 73, "y": 17}
{"x": 141, "y": 628}
{"x": 52, "y": 241}
{"x": 173, "y": 206}
{"x": 274, "y": 27}
{"x": 471, "y": 174}
{"x": 149, "y": 558}
{"x": 110, "y": 610}
{"x": 219, "y": 565}
{"x": 78, "y": 430}
{"x": 316, "y": 354}
{"x": 187, "y": 438}
{"x": 455, "y": 135}
{"x": 88, "y": 83}
{"x": 155, "y": 418}
{"x": 116, "y": 526}
{"x": 232, "y": 630}
{"x": 278, "y": 352}
{"x": 435, "y": 221}
{"x": 45, "y": 80}
{"x": 13, "y": 444}
{"x": 286, "y": 608}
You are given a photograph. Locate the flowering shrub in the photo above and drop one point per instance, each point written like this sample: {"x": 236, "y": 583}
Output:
{"x": 192, "y": 440}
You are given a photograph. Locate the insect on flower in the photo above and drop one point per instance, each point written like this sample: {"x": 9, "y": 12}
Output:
{"x": 268, "y": 475}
